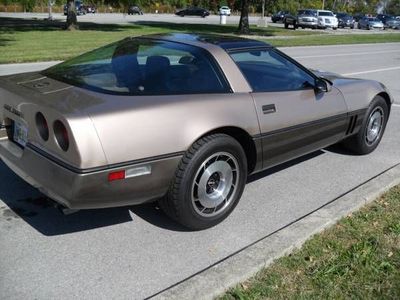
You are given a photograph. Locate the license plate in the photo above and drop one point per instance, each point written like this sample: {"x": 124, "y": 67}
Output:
{"x": 20, "y": 134}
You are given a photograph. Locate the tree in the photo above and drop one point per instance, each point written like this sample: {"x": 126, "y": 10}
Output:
{"x": 393, "y": 7}
{"x": 72, "y": 21}
{"x": 244, "y": 27}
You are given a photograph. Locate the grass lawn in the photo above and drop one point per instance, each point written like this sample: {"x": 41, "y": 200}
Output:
{"x": 35, "y": 40}
{"x": 358, "y": 258}
{"x": 328, "y": 39}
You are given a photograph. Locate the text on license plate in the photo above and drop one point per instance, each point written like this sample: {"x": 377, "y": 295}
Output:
{"x": 20, "y": 133}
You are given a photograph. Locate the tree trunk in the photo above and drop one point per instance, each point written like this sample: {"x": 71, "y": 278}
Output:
{"x": 72, "y": 22}
{"x": 244, "y": 18}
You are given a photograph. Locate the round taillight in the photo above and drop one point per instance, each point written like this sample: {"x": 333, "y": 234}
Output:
{"x": 42, "y": 126}
{"x": 61, "y": 134}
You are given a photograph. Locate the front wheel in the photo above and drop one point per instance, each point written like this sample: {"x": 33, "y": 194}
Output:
{"x": 372, "y": 128}
{"x": 208, "y": 183}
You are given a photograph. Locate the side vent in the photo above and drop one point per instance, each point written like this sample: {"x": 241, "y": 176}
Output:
{"x": 352, "y": 124}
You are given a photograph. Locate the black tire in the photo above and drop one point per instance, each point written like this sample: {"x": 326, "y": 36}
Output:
{"x": 179, "y": 203}
{"x": 359, "y": 143}
{"x": 286, "y": 25}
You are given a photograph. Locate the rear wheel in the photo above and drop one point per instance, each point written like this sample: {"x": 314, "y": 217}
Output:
{"x": 372, "y": 128}
{"x": 208, "y": 183}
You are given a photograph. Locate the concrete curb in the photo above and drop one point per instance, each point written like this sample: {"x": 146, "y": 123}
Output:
{"x": 217, "y": 279}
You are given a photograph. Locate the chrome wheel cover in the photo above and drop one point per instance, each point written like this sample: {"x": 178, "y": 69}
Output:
{"x": 215, "y": 183}
{"x": 374, "y": 125}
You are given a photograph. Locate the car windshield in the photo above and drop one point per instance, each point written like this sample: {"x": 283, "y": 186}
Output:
{"x": 224, "y": 7}
{"x": 325, "y": 13}
{"x": 143, "y": 67}
{"x": 308, "y": 13}
{"x": 342, "y": 15}
{"x": 373, "y": 20}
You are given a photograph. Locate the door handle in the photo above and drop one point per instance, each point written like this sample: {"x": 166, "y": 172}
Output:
{"x": 268, "y": 109}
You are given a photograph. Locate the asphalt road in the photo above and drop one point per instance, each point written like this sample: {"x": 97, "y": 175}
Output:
{"x": 136, "y": 252}
{"x": 119, "y": 18}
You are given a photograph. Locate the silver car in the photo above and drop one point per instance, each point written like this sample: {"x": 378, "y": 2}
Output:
{"x": 370, "y": 23}
{"x": 393, "y": 23}
{"x": 183, "y": 119}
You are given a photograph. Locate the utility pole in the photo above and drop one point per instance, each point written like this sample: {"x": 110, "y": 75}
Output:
{"x": 263, "y": 9}
{"x": 323, "y": 4}
{"x": 262, "y": 22}
{"x": 50, "y": 12}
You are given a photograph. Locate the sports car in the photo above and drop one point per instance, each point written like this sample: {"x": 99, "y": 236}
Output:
{"x": 183, "y": 119}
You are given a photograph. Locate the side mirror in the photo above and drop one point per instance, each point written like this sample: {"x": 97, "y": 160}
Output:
{"x": 322, "y": 85}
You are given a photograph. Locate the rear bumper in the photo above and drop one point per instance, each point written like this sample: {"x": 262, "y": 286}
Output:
{"x": 88, "y": 189}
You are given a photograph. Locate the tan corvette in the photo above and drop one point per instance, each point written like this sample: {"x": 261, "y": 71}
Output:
{"x": 178, "y": 118}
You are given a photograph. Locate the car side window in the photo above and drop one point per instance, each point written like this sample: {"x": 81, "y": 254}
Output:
{"x": 268, "y": 71}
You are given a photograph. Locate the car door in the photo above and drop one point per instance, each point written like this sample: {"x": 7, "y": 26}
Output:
{"x": 295, "y": 117}
{"x": 192, "y": 11}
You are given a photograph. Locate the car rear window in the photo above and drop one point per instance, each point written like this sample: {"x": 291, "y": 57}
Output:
{"x": 307, "y": 12}
{"x": 143, "y": 67}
